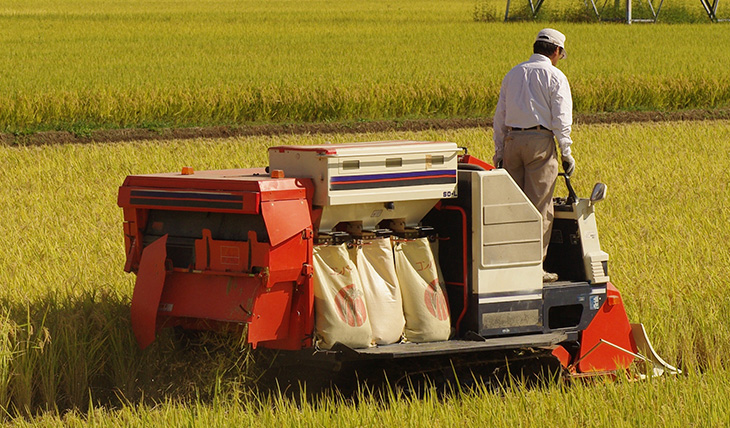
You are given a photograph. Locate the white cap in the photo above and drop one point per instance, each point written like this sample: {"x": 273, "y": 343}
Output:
{"x": 552, "y": 36}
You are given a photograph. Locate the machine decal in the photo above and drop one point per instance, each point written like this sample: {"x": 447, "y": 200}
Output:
{"x": 595, "y": 302}
{"x": 230, "y": 255}
{"x": 373, "y": 181}
{"x": 186, "y": 199}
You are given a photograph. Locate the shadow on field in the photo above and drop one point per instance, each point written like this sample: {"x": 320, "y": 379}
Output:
{"x": 62, "y": 352}
{"x": 298, "y": 376}
{"x": 65, "y": 352}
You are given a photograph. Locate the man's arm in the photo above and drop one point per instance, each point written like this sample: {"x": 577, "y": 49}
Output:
{"x": 500, "y": 129}
{"x": 562, "y": 112}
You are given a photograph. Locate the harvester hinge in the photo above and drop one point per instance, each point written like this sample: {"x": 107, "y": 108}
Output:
{"x": 307, "y": 233}
{"x": 248, "y": 312}
{"x": 263, "y": 276}
{"x": 307, "y": 272}
{"x": 132, "y": 256}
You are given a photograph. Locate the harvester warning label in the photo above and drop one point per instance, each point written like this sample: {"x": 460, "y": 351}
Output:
{"x": 230, "y": 255}
{"x": 351, "y": 306}
{"x": 595, "y": 302}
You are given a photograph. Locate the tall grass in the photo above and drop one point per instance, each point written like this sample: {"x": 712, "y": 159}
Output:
{"x": 694, "y": 400}
{"x": 80, "y": 64}
{"x": 65, "y": 334}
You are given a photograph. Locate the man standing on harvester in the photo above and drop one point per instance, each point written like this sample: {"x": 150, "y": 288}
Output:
{"x": 535, "y": 108}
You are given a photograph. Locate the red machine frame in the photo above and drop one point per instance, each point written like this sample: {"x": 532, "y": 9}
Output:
{"x": 264, "y": 285}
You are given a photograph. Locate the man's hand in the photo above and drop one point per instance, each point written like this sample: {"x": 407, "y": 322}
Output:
{"x": 568, "y": 165}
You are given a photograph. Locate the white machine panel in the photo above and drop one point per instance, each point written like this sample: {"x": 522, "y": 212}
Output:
{"x": 593, "y": 257}
{"x": 507, "y": 239}
{"x": 374, "y": 181}
{"x": 382, "y": 171}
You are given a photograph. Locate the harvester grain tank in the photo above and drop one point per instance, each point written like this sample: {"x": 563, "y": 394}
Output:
{"x": 378, "y": 251}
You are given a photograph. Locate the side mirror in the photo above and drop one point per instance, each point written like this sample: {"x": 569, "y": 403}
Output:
{"x": 599, "y": 193}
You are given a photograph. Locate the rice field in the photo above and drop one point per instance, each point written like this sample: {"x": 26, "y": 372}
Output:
{"x": 80, "y": 65}
{"x": 66, "y": 342}
{"x": 67, "y": 354}
{"x": 696, "y": 400}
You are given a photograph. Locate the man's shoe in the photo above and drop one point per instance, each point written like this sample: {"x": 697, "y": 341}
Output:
{"x": 549, "y": 277}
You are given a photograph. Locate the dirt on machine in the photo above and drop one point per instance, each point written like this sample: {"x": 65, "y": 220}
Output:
{"x": 399, "y": 254}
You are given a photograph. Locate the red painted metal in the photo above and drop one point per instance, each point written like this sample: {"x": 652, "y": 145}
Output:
{"x": 224, "y": 256}
{"x": 134, "y": 220}
{"x": 465, "y": 265}
{"x": 271, "y": 311}
{"x": 147, "y": 291}
{"x": 213, "y": 297}
{"x": 251, "y": 185}
{"x": 266, "y": 286}
{"x": 612, "y": 325}
{"x": 471, "y": 160}
{"x": 215, "y": 180}
{"x": 562, "y": 355}
{"x": 266, "y": 300}
{"x": 285, "y": 218}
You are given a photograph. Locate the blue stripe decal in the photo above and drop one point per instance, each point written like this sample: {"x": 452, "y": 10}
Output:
{"x": 417, "y": 174}
{"x": 185, "y": 195}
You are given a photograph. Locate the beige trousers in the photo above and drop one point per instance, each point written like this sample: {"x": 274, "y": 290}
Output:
{"x": 531, "y": 159}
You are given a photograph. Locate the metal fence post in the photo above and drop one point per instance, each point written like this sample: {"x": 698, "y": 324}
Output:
{"x": 628, "y": 11}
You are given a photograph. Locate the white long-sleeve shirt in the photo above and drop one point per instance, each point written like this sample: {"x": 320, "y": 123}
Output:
{"x": 533, "y": 93}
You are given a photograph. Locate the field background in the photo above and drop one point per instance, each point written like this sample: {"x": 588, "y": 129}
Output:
{"x": 66, "y": 342}
{"x": 82, "y": 65}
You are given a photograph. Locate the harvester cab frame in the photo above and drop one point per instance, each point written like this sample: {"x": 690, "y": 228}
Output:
{"x": 379, "y": 251}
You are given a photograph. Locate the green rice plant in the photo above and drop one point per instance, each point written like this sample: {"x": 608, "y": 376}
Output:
{"x": 125, "y": 361}
{"x": 486, "y": 11}
{"x": 80, "y": 336}
{"x": 31, "y": 340}
{"x": 675, "y": 402}
{"x": 7, "y": 353}
{"x": 47, "y": 376}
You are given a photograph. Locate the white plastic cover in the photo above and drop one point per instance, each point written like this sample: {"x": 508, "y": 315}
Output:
{"x": 424, "y": 298}
{"x": 375, "y": 263}
{"x": 339, "y": 302}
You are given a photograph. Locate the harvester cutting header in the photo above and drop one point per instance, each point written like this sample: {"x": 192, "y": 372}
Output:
{"x": 395, "y": 250}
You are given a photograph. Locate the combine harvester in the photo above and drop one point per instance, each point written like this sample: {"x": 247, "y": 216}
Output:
{"x": 410, "y": 254}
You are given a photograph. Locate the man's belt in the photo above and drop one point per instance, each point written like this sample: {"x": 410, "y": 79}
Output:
{"x": 514, "y": 128}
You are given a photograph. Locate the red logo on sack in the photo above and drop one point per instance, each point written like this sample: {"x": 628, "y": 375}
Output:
{"x": 436, "y": 301}
{"x": 351, "y": 306}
